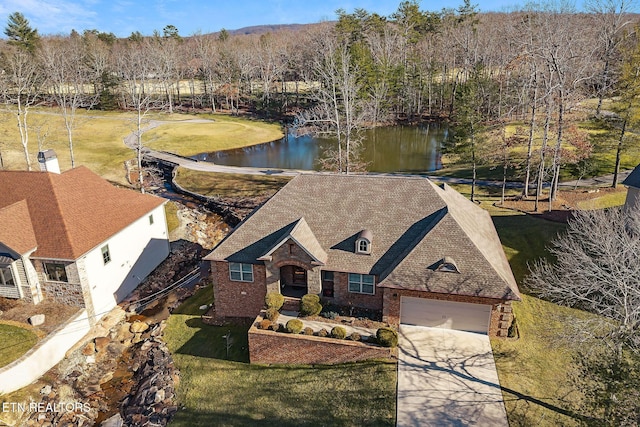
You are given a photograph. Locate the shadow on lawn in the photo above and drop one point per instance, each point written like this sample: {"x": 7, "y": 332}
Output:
{"x": 217, "y": 342}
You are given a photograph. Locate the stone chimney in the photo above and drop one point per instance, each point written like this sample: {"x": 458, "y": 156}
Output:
{"x": 48, "y": 161}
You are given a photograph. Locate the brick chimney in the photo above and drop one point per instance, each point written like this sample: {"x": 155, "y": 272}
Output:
{"x": 48, "y": 161}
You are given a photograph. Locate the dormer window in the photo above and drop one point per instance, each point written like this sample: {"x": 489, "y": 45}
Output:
{"x": 448, "y": 265}
{"x": 363, "y": 242}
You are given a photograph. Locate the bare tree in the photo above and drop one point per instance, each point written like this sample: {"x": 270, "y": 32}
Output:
{"x": 23, "y": 79}
{"x": 140, "y": 90}
{"x": 69, "y": 79}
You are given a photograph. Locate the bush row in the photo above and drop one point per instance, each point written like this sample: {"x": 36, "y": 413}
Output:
{"x": 386, "y": 337}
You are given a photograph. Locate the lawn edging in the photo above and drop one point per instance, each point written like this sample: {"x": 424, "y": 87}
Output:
{"x": 270, "y": 347}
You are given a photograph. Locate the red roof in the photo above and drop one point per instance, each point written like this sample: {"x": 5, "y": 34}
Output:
{"x": 16, "y": 231}
{"x": 73, "y": 212}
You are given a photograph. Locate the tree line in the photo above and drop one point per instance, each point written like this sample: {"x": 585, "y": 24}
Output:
{"x": 480, "y": 71}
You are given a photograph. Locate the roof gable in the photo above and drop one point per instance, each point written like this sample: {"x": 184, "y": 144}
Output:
{"x": 301, "y": 234}
{"x": 73, "y": 212}
{"x": 633, "y": 179}
{"x": 16, "y": 231}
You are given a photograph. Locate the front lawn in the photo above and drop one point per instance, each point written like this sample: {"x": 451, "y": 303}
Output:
{"x": 14, "y": 342}
{"x": 229, "y": 184}
{"x": 223, "y": 389}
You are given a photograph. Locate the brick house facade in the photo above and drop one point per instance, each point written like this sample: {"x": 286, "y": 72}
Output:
{"x": 371, "y": 242}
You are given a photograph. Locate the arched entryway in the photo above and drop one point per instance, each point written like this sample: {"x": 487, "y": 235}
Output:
{"x": 293, "y": 281}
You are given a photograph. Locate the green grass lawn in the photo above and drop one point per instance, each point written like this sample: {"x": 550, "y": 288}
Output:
{"x": 222, "y": 133}
{"x": 171, "y": 212}
{"x": 223, "y": 389}
{"x": 14, "y": 342}
{"x": 229, "y": 185}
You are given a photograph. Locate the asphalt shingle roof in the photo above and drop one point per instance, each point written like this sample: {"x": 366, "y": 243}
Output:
{"x": 633, "y": 179}
{"x": 16, "y": 231}
{"x": 73, "y": 212}
{"x": 414, "y": 224}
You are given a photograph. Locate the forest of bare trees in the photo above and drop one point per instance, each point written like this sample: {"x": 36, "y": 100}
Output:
{"x": 479, "y": 71}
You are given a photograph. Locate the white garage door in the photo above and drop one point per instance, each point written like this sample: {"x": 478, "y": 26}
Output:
{"x": 461, "y": 316}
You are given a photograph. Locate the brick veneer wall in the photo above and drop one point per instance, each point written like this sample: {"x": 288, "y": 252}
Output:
{"x": 342, "y": 296}
{"x": 237, "y": 299}
{"x": 501, "y": 313}
{"x": 269, "y": 347}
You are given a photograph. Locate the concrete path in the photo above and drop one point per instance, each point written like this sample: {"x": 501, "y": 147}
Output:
{"x": 447, "y": 378}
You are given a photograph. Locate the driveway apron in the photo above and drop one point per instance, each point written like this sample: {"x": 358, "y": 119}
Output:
{"x": 447, "y": 378}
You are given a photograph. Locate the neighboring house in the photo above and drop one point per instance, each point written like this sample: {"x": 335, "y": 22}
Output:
{"x": 419, "y": 253}
{"x": 77, "y": 239}
{"x": 633, "y": 188}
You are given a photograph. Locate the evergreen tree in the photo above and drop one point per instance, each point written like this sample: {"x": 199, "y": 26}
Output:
{"x": 20, "y": 32}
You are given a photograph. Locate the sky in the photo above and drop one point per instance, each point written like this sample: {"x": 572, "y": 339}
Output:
{"x": 122, "y": 17}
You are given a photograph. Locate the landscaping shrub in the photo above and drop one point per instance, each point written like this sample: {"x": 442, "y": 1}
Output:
{"x": 274, "y": 300}
{"x": 310, "y": 305}
{"x": 307, "y": 331}
{"x": 294, "y": 326}
{"x": 355, "y": 337}
{"x": 329, "y": 315}
{"x": 339, "y": 332}
{"x": 265, "y": 324}
{"x": 387, "y": 337}
{"x": 513, "y": 329}
{"x": 275, "y": 327}
{"x": 322, "y": 333}
{"x": 272, "y": 314}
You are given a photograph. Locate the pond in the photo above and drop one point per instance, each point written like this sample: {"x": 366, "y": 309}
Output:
{"x": 387, "y": 149}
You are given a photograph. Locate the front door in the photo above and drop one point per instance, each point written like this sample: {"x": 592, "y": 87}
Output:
{"x": 293, "y": 281}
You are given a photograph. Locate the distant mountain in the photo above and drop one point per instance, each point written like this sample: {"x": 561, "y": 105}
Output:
{"x": 262, "y": 29}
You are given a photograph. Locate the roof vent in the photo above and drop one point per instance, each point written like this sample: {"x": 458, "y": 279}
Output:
{"x": 363, "y": 242}
{"x": 48, "y": 161}
{"x": 448, "y": 265}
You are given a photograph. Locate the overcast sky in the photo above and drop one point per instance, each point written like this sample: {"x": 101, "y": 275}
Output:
{"x": 122, "y": 17}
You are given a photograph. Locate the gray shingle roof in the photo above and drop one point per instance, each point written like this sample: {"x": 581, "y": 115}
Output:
{"x": 415, "y": 225}
{"x": 633, "y": 179}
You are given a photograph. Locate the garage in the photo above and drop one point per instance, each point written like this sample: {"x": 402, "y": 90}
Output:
{"x": 461, "y": 316}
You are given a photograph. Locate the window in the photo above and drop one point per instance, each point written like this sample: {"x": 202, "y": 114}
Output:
{"x": 241, "y": 272}
{"x": 363, "y": 247}
{"x": 327, "y": 283}
{"x": 55, "y": 272}
{"x": 361, "y": 283}
{"x": 6, "y": 278}
{"x": 106, "y": 256}
{"x": 150, "y": 219}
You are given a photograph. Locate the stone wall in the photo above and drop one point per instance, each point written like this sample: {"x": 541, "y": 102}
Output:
{"x": 269, "y": 347}
{"x": 69, "y": 293}
{"x": 501, "y": 313}
{"x": 237, "y": 299}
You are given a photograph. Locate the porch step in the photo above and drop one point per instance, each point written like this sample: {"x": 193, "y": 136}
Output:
{"x": 291, "y": 304}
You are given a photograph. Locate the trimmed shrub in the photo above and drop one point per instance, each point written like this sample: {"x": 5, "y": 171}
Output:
{"x": 355, "y": 337}
{"x": 339, "y": 332}
{"x": 274, "y": 300}
{"x": 387, "y": 337}
{"x": 310, "y": 305}
{"x": 322, "y": 333}
{"x": 265, "y": 324}
{"x": 274, "y": 327}
{"x": 307, "y": 331}
{"x": 294, "y": 326}
{"x": 329, "y": 315}
{"x": 272, "y": 314}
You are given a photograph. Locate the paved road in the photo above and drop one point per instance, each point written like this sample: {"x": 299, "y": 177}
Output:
{"x": 447, "y": 378}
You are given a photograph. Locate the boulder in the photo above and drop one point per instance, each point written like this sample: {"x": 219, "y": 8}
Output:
{"x": 138, "y": 327}
{"x": 46, "y": 390}
{"x": 101, "y": 343}
{"x": 89, "y": 349}
{"x": 36, "y": 320}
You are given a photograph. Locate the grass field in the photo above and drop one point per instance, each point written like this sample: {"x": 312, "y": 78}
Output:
{"x": 223, "y": 389}
{"x": 222, "y": 133}
{"x": 98, "y": 138}
{"x": 229, "y": 185}
{"x": 14, "y": 342}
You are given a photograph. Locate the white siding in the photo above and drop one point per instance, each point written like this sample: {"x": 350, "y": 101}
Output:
{"x": 135, "y": 252}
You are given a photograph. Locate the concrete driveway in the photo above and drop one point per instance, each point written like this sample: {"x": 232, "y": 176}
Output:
{"x": 447, "y": 378}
